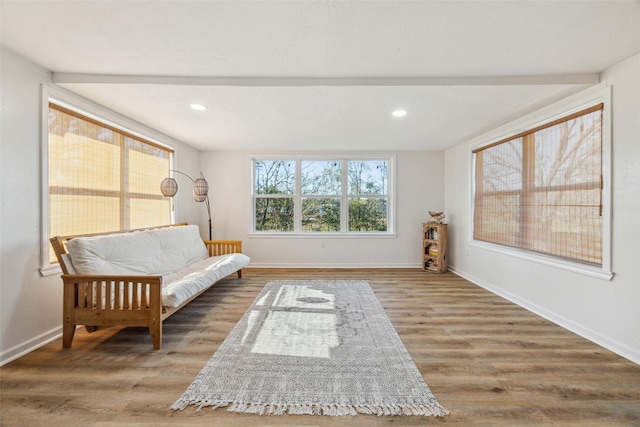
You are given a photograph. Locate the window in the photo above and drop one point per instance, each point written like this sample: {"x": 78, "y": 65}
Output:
{"x": 321, "y": 188}
{"x": 541, "y": 190}
{"x": 274, "y": 187}
{"x": 101, "y": 178}
{"x": 329, "y": 195}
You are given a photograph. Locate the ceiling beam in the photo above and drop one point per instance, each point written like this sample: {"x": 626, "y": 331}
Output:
{"x": 258, "y": 81}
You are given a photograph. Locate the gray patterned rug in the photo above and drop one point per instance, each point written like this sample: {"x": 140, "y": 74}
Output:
{"x": 313, "y": 347}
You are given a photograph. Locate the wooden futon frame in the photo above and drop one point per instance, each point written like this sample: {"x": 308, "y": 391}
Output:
{"x": 98, "y": 301}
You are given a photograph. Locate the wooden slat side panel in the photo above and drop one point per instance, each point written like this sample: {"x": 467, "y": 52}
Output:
{"x": 118, "y": 298}
{"x": 143, "y": 288}
{"x": 113, "y": 295}
{"x": 223, "y": 247}
{"x": 126, "y": 289}
{"x": 90, "y": 295}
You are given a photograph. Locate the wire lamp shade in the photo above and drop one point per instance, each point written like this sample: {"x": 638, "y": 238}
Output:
{"x": 200, "y": 189}
{"x": 169, "y": 187}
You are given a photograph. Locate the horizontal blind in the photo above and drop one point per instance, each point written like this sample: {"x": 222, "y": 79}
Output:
{"x": 102, "y": 178}
{"x": 541, "y": 190}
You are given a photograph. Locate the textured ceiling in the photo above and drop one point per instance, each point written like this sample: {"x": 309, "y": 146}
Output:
{"x": 323, "y": 75}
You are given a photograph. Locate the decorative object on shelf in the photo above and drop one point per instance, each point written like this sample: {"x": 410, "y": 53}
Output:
{"x": 169, "y": 188}
{"x": 436, "y": 217}
{"x": 434, "y": 246}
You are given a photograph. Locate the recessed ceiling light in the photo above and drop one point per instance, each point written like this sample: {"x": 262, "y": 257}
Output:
{"x": 399, "y": 113}
{"x": 199, "y": 107}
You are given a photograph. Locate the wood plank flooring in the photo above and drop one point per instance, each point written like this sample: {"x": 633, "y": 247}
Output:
{"x": 488, "y": 361}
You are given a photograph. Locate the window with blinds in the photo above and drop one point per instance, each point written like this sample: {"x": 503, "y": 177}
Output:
{"x": 541, "y": 190}
{"x": 102, "y": 178}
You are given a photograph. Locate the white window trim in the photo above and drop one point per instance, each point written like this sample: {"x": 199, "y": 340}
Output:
{"x": 391, "y": 212}
{"x": 578, "y": 102}
{"x": 88, "y": 108}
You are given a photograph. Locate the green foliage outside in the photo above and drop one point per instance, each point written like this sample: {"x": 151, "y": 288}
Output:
{"x": 274, "y": 214}
{"x": 367, "y": 214}
{"x": 321, "y": 215}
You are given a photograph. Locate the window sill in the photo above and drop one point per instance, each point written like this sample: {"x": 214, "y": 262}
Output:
{"x": 574, "y": 267}
{"x": 50, "y": 270}
{"x": 320, "y": 235}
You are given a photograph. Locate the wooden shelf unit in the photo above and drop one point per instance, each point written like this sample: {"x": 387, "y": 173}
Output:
{"x": 434, "y": 247}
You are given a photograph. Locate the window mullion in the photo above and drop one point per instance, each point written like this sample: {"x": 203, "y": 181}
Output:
{"x": 344, "y": 205}
{"x": 124, "y": 184}
{"x": 297, "y": 198}
{"x": 527, "y": 196}
{"x": 478, "y": 224}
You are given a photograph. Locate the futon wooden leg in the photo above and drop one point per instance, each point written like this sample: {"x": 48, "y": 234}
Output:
{"x": 156, "y": 335}
{"x": 68, "y": 330}
{"x": 68, "y": 314}
{"x": 239, "y": 274}
{"x": 155, "y": 315}
{"x": 155, "y": 320}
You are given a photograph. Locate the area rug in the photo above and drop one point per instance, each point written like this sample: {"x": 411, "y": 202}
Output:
{"x": 313, "y": 347}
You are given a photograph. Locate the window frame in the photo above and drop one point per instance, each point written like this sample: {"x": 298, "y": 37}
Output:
{"x": 559, "y": 110}
{"x": 95, "y": 112}
{"x": 344, "y": 197}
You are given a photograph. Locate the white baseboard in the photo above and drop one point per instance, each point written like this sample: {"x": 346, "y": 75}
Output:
{"x": 617, "y": 347}
{"x": 331, "y": 265}
{"x": 28, "y": 346}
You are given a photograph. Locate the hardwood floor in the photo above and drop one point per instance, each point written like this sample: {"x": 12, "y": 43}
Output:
{"x": 488, "y": 361}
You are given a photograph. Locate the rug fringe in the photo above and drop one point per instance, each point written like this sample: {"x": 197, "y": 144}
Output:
{"x": 182, "y": 404}
{"x": 333, "y": 410}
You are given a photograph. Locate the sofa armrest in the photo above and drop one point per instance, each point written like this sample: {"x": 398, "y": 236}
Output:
{"x": 112, "y": 292}
{"x": 110, "y": 300}
{"x": 223, "y": 247}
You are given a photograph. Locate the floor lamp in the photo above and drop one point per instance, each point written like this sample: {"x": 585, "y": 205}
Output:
{"x": 169, "y": 188}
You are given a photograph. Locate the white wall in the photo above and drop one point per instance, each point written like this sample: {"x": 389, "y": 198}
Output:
{"x": 30, "y": 305}
{"x": 27, "y": 315}
{"x": 607, "y": 312}
{"x": 419, "y": 188}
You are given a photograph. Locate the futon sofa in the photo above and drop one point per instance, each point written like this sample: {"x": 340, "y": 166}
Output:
{"x": 139, "y": 277}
